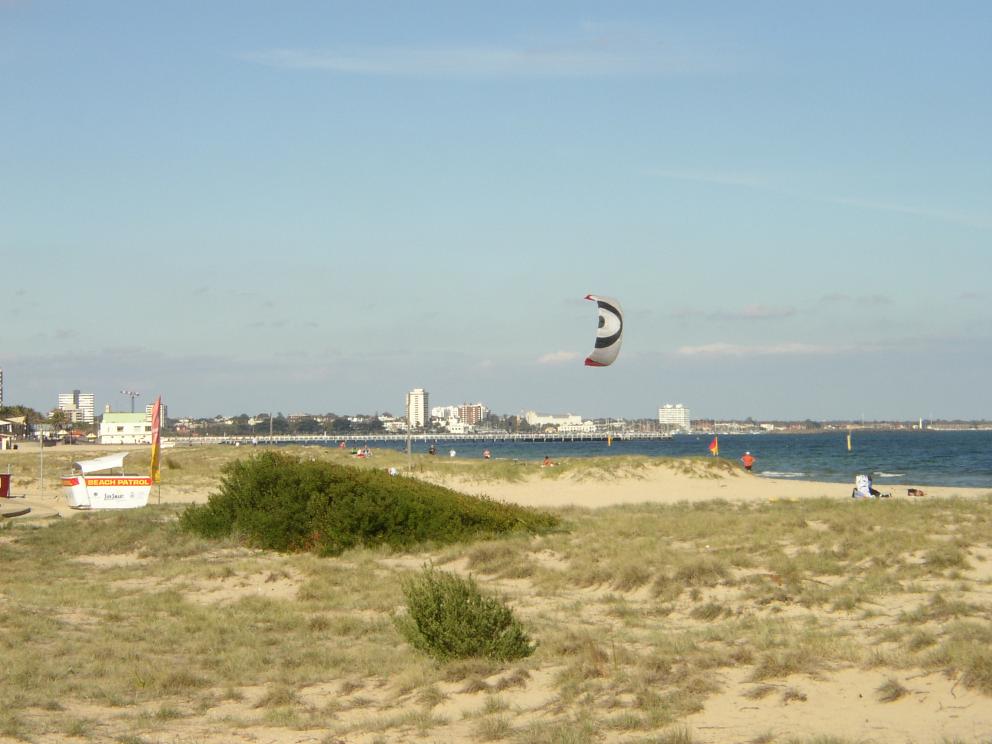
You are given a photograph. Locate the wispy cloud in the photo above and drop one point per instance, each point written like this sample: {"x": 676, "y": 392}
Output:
{"x": 594, "y": 50}
{"x": 776, "y": 185}
{"x": 748, "y": 312}
{"x": 867, "y": 300}
{"x": 558, "y": 357}
{"x": 720, "y": 178}
{"x": 762, "y": 312}
{"x": 944, "y": 215}
{"x": 721, "y": 349}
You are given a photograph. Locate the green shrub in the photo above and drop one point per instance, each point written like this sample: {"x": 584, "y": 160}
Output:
{"x": 281, "y": 502}
{"x": 449, "y": 618}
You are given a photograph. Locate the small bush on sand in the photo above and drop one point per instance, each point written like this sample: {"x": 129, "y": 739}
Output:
{"x": 281, "y": 502}
{"x": 449, "y": 618}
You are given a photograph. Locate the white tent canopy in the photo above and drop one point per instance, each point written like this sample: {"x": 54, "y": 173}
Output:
{"x": 106, "y": 462}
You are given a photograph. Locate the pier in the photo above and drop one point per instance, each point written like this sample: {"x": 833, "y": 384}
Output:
{"x": 360, "y": 439}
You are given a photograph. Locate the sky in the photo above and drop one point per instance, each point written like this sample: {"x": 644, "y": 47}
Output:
{"x": 247, "y": 206}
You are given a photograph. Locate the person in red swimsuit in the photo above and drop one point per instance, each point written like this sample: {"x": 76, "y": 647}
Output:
{"x": 748, "y": 461}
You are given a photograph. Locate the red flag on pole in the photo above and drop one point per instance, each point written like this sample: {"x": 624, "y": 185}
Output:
{"x": 156, "y": 444}
{"x": 714, "y": 447}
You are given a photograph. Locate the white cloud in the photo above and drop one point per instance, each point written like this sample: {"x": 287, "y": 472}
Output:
{"x": 869, "y": 300}
{"x": 764, "y": 311}
{"x": 748, "y": 312}
{"x": 721, "y": 349}
{"x": 558, "y": 357}
{"x": 594, "y": 50}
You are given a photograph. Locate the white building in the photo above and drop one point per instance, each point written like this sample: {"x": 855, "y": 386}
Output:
{"x": 417, "y": 408}
{"x": 674, "y": 417}
{"x": 125, "y": 428}
{"x": 583, "y": 427}
{"x": 445, "y": 413}
{"x": 394, "y": 425}
{"x": 78, "y": 406}
{"x": 164, "y": 413}
{"x": 549, "y": 419}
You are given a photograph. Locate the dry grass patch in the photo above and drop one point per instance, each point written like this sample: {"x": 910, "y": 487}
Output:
{"x": 641, "y": 616}
{"x": 890, "y": 691}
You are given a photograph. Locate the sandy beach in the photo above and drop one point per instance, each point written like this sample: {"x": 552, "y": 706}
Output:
{"x": 599, "y": 630}
{"x": 538, "y": 487}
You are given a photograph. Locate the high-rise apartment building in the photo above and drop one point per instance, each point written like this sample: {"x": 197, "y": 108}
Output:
{"x": 163, "y": 414}
{"x": 674, "y": 417}
{"x": 417, "y": 408}
{"x": 79, "y": 406}
{"x": 472, "y": 414}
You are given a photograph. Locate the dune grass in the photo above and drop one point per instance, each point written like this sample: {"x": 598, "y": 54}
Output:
{"x": 123, "y": 627}
{"x": 277, "y": 501}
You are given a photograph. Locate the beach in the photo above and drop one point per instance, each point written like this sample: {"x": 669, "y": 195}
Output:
{"x": 684, "y": 601}
{"x": 536, "y": 487}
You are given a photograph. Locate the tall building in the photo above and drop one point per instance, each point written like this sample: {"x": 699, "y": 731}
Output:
{"x": 674, "y": 417}
{"x": 163, "y": 413}
{"x": 79, "y": 406}
{"x": 417, "y": 408}
{"x": 472, "y": 414}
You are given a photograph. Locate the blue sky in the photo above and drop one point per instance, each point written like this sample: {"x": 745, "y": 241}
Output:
{"x": 317, "y": 206}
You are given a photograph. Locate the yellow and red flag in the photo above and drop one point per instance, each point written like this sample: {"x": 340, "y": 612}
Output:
{"x": 714, "y": 447}
{"x": 156, "y": 444}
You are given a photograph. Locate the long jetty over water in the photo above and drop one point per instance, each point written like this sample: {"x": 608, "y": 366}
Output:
{"x": 349, "y": 439}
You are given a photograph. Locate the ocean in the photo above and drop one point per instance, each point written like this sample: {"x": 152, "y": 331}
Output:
{"x": 945, "y": 458}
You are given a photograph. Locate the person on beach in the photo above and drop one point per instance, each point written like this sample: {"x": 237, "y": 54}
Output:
{"x": 748, "y": 461}
{"x": 547, "y": 462}
{"x": 486, "y": 454}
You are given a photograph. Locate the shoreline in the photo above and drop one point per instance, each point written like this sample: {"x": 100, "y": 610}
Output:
{"x": 575, "y": 484}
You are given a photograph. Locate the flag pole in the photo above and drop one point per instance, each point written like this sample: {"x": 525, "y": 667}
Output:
{"x": 156, "y": 470}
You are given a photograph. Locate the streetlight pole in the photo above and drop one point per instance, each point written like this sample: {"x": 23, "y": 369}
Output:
{"x": 133, "y": 395}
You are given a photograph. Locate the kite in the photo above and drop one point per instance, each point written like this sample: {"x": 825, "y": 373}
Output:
{"x": 609, "y": 334}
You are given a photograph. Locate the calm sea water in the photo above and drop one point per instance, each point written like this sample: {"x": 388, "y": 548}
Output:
{"x": 926, "y": 458}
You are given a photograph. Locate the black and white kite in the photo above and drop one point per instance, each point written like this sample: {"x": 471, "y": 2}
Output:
{"x": 609, "y": 334}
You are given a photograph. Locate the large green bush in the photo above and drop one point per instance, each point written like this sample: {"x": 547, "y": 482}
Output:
{"x": 278, "y": 501}
{"x": 449, "y": 618}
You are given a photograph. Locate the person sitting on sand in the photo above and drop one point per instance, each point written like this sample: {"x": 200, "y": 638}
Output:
{"x": 748, "y": 461}
{"x": 864, "y": 489}
{"x": 547, "y": 462}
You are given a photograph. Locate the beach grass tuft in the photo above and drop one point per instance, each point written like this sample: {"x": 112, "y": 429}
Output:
{"x": 448, "y": 617}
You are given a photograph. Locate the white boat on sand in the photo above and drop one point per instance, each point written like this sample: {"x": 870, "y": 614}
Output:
{"x": 89, "y": 487}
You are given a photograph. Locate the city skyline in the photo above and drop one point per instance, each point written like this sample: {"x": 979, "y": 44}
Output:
{"x": 245, "y": 206}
